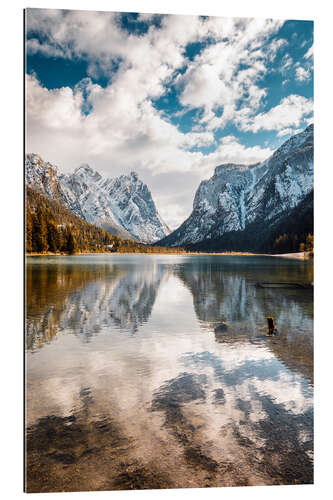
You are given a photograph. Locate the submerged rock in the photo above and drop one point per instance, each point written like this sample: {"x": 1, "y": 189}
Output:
{"x": 221, "y": 332}
{"x": 223, "y": 327}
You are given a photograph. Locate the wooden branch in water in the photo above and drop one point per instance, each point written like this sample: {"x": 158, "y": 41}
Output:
{"x": 271, "y": 325}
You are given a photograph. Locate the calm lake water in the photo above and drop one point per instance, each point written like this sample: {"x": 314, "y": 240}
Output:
{"x": 129, "y": 385}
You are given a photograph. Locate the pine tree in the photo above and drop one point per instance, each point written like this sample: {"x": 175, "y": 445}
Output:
{"x": 53, "y": 237}
{"x": 70, "y": 243}
{"x": 40, "y": 232}
{"x": 309, "y": 244}
{"x": 28, "y": 231}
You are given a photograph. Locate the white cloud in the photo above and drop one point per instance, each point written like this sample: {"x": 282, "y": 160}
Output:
{"x": 224, "y": 75}
{"x": 275, "y": 46}
{"x": 309, "y": 120}
{"x": 120, "y": 134}
{"x": 228, "y": 139}
{"x": 232, "y": 151}
{"x": 289, "y": 113}
{"x": 302, "y": 74}
{"x": 34, "y": 46}
{"x": 98, "y": 38}
{"x": 309, "y": 53}
{"x": 215, "y": 78}
{"x": 117, "y": 129}
{"x": 288, "y": 131}
{"x": 228, "y": 72}
{"x": 286, "y": 63}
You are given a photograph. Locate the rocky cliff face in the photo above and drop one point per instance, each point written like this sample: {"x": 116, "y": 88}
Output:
{"x": 122, "y": 205}
{"x": 238, "y": 196}
{"x": 43, "y": 177}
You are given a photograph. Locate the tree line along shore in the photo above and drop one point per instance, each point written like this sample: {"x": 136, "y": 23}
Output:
{"x": 51, "y": 229}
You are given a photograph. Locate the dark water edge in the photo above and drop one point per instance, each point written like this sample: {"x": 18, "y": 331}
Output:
{"x": 131, "y": 385}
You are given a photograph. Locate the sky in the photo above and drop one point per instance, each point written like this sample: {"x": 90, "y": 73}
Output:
{"x": 170, "y": 97}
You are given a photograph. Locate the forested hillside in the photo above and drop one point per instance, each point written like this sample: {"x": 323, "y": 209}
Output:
{"x": 50, "y": 227}
{"x": 295, "y": 232}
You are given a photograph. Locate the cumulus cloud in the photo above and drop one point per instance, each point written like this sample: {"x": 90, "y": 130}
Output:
{"x": 289, "y": 113}
{"x": 215, "y": 78}
{"x": 302, "y": 74}
{"x": 34, "y": 46}
{"x": 228, "y": 72}
{"x": 118, "y": 134}
{"x": 117, "y": 128}
{"x": 98, "y": 38}
{"x": 232, "y": 151}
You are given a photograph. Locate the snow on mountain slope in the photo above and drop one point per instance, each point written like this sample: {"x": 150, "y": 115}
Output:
{"x": 124, "y": 201}
{"x": 121, "y": 205}
{"x": 43, "y": 177}
{"x": 239, "y": 195}
{"x": 288, "y": 179}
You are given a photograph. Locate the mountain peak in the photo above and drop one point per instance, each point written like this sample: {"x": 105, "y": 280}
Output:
{"x": 122, "y": 205}
{"x": 238, "y": 197}
{"x": 35, "y": 160}
{"x": 295, "y": 142}
{"x": 84, "y": 169}
{"x": 220, "y": 169}
{"x": 134, "y": 176}
{"x": 33, "y": 157}
{"x": 86, "y": 172}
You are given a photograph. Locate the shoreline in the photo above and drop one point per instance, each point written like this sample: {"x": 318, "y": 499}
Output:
{"x": 294, "y": 255}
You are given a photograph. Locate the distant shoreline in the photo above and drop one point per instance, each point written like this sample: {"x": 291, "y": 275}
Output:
{"x": 295, "y": 255}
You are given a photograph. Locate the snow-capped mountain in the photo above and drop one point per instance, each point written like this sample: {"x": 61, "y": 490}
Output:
{"x": 240, "y": 196}
{"x": 43, "y": 176}
{"x": 122, "y": 205}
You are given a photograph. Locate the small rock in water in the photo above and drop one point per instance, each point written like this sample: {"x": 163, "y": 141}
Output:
{"x": 223, "y": 327}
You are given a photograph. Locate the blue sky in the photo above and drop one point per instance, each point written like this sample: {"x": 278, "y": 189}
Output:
{"x": 168, "y": 96}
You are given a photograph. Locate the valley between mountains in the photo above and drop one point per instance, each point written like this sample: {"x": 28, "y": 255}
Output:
{"x": 265, "y": 207}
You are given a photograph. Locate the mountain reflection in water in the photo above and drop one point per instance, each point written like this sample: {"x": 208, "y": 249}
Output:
{"x": 127, "y": 376}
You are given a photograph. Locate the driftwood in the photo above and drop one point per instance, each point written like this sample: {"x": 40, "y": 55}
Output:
{"x": 271, "y": 325}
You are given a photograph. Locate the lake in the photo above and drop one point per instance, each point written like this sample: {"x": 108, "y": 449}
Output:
{"x": 131, "y": 384}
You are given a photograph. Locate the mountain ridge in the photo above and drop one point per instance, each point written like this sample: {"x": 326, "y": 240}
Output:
{"x": 242, "y": 198}
{"x": 122, "y": 205}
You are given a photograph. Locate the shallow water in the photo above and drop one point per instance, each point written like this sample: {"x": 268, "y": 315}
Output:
{"x": 130, "y": 383}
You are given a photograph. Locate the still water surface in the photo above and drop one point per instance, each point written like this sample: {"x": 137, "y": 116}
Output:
{"x": 129, "y": 386}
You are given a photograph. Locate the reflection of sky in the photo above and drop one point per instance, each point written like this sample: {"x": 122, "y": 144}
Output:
{"x": 156, "y": 344}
